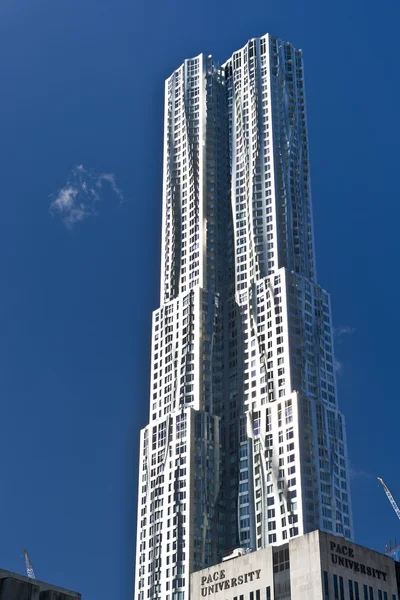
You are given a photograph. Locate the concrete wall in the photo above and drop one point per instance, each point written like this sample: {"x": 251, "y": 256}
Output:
{"x": 305, "y": 567}
{"x": 14, "y": 589}
{"x": 234, "y": 578}
{"x": 310, "y": 555}
{"x": 351, "y": 561}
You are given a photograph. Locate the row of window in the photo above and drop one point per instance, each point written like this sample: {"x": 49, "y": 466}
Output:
{"x": 352, "y": 590}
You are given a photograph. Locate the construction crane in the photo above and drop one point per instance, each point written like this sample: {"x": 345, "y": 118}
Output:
{"x": 29, "y": 569}
{"x": 391, "y": 499}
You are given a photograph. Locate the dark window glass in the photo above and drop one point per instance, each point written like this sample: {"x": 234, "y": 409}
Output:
{"x": 281, "y": 560}
{"x": 326, "y": 586}
{"x": 341, "y": 588}
{"x": 351, "y": 591}
{"x": 268, "y": 593}
{"x": 380, "y": 596}
{"x": 356, "y": 592}
{"x": 257, "y": 594}
{"x": 282, "y": 590}
{"x": 371, "y": 593}
{"x": 365, "y": 592}
{"x": 335, "y": 587}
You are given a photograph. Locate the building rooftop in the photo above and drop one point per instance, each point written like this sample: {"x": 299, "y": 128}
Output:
{"x": 18, "y": 587}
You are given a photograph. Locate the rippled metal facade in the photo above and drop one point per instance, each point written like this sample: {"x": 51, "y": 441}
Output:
{"x": 245, "y": 444}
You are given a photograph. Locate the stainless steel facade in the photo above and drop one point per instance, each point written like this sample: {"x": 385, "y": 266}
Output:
{"x": 245, "y": 444}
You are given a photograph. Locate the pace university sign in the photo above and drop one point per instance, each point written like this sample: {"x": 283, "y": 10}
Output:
{"x": 343, "y": 556}
{"x": 217, "y": 581}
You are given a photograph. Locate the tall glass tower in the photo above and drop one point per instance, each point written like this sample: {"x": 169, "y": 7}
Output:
{"x": 245, "y": 446}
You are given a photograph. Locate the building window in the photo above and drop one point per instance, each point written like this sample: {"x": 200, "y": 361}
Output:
{"x": 356, "y": 591}
{"x": 282, "y": 590}
{"x": 365, "y": 592}
{"x": 268, "y": 593}
{"x": 351, "y": 592}
{"x": 336, "y": 588}
{"x": 326, "y": 586}
{"x": 371, "y": 593}
{"x": 341, "y": 588}
{"x": 281, "y": 560}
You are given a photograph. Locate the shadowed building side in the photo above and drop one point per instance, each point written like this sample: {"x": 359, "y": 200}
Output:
{"x": 18, "y": 587}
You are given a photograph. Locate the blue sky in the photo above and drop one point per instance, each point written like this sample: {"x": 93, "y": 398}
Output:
{"x": 82, "y": 84}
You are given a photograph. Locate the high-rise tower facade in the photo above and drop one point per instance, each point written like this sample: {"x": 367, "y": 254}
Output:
{"x": 245, "y": 446}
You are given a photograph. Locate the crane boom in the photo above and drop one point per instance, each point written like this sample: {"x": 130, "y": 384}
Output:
{"x": 390, "y": 497}
{"x": 29, "y": 569}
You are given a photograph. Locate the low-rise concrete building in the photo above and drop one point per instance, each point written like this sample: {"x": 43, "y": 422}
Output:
{"x": 310, "y": 567}
{"x": 18, "y": 587}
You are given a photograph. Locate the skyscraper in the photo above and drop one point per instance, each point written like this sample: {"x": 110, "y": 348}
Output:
{"x": 246, "y": 446}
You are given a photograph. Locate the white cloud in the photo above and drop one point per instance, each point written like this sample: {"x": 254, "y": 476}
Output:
{"x": 77, "y": 200}
{"x": 343, "y": 330}
{"x": 337, "y": 365}
{"x": 66, "y": 198}
{"x": 110, "y": 178}
{"x": 339, "y": 333}
{"x": 360, "y": 474}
